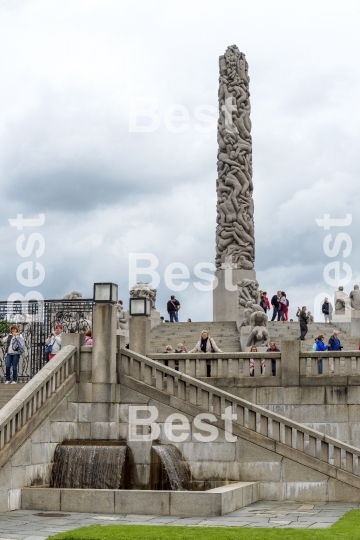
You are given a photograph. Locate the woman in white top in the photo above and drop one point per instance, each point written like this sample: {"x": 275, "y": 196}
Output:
{"x": 55, "y": 341}
{"x": 14, "y": 347}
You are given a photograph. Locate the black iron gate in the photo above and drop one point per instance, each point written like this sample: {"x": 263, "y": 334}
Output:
{"x": 37, "y": 321}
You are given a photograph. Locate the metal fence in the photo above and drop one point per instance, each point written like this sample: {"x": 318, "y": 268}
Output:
{"x": 36, "y": 321}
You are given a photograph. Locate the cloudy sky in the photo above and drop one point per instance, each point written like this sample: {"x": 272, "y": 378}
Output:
{"x": 72, "y": 73}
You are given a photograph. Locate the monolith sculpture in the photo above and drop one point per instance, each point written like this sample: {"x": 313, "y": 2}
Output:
{"x": 235, "y": 242}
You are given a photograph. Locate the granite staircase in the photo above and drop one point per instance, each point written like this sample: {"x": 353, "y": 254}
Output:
{"x": 225, "y": 335}
{"x": 8, "y": 391}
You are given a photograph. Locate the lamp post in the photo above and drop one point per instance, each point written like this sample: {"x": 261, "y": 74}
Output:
{"x": 139, "y": 325}
{"x": 104, "y": 340}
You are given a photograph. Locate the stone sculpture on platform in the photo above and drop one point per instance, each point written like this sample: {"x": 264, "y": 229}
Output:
{"x": 256, "y": 318}
{"x": 342, "y": 301}
{"x": 121, "y": 316}
{"x": 235, "y": 207}
{"x": 144, "y": 289}
{"x": 355, "y": 298}
{"x": 73, "y": 296}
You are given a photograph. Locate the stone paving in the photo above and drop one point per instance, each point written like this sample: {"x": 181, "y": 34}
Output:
{"x": 26, "y": 525}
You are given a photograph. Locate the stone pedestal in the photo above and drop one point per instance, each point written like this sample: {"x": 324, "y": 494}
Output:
{"x": 290, "y": 363}
{"x": 355, "y": 323}
{"x": 77, "y": 340}
{"x": 139, "y": 335}
{"x": 155, "y": 318}
{"x": 104, "y": 344}
{"x": 225, "y": 295}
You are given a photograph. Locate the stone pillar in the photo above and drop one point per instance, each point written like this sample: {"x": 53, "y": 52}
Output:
{"x": 235, "y": 239}
{"x": 290, "y": 362}
{"x": 77, "y": 340}
{"x": 139, "y": 335}
{"x": 104, "y": 351}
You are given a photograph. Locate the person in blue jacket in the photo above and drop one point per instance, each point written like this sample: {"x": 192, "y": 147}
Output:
{"x": 334, "y": 342}
{"x": 320, "y": 346}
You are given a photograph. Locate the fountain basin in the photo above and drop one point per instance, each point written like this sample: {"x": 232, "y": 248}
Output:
{"x": 214, "y": 502}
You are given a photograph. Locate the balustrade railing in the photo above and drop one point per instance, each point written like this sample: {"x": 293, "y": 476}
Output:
{"x": 237, "y": 365}
{"x": 296, "y": 441}
{"x": 333, "y": 363}
{"x": 23, "y": 406}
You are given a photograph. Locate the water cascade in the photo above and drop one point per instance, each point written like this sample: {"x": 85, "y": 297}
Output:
{"x": 90, "y": 465}
{"x": 170, "y": 470}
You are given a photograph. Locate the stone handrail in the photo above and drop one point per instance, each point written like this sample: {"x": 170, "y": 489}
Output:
{"x": 333, "y": 363}
{"x": 24, "y": 405}
{"x": 233, "y": 364}
{"x": 282, "y": 435}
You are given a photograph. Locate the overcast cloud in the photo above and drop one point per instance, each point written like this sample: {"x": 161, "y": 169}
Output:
{"x": 70, "y": 70}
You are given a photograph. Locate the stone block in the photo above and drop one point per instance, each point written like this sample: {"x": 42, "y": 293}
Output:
{"x": 84, "y": 392}
{"x": 4, "y": 498}
{"x": 42, "y": 453}
{"x": 100, "y": 501}
{"x": 336, "y": 395}
{"x": 61, "y": 431}
{"x": 295, "y": 472}
{"x": 306, "y": 491}
{"x": 132, "y": 397}
{"x": 354, "y": 413}
{"x": 23, "y": 455}
{"x": 272, "y": 491}
{"x": 139, "y": 335}
{"x": 5, "y": 476}
{"x": 14, "y": 499}
{"x": 42, "y": 433}
{"x": 85, "y": 377}
{"x": 86, "y": 361}
{"x": 266, "y": 471}
{"x": 140, "y": 451}
{"x": 251, "y": 493}
{"x": 101, "y": 412}
{"x": 353, "y": 397}
{"x": 104, "y": 344}
{"x": 73, "y": 394}
{"x": 45, "y": 499}
{"x": 65, "y": 412}
{"x": 290, "y": 365}
{"x": 103, "y": 392}
{"x": 18, "y": 477}
{"x": 270, "y": 396}
{"x": 209, "y": 452}
{"x": 215, "y": 471}
{"x": 195, "y": 503}
{"x": 311, "y": 396}
{"x": 341, "y": 492}
{"x": 142, "y": 502}
{"x": 336, "y": 413}
{"x": 85, "y": 412}
{"x": 247, "y": 451}
{"x": 38, "y": 475}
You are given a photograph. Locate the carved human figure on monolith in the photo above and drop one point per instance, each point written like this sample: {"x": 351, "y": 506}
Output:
{"x": 144, "y": 289}
{"x": 355, "y": 298}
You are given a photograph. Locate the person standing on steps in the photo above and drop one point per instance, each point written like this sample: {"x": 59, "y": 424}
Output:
{"x": 273, "y": 348}
{"x": 303, "y": 318}
{"x": 55, "y": 341}
{"x": 173, "y": 307}
{"x": 327, "y": 310}
{"x": 320, "y": 346}
{"x": 275, "y": 304}
{"x": 14, "y": 347}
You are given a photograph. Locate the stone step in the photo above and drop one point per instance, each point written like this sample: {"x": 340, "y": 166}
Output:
{"x": 8, "y": 391}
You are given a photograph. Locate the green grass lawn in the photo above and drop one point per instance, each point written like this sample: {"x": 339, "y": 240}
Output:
{"x": 347, "y": 528}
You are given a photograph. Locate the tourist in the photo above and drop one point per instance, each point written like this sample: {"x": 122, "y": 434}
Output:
{"x": 14, "y": 347}
{"x": 291, "y": 320}
{"x": 283, "y": 306}
{"x": 88, "y": 337}
{"x": 303, "y": 318}
{"x": 310, "y": 317}
{"x": 273, "y": 349}
{"x": 180, "y": 348}
{"x": 275, "y": 304}
{"x": 162, "y": 320}
{"x": 327, "y": 310}
{"x": 169, "y": 349}
{"x": 189, "y": 320}
{"x": 334, "y": 342}
{"x": 173, "y": 307}
{"x": 264, "y": 301}
{"x": 54, "y": 341}
{"x": 206, "y": 344}
{"x": 320, "y": 346}
{"x": 298, "y": 314}
{"x": 252, "y": 365}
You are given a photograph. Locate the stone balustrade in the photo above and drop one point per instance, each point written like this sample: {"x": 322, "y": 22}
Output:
{"x": 290, "y": 439}
{"x": 21, "y": 408}
{"x": 344, "y": 363}
{"x": 220, "y": 364}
